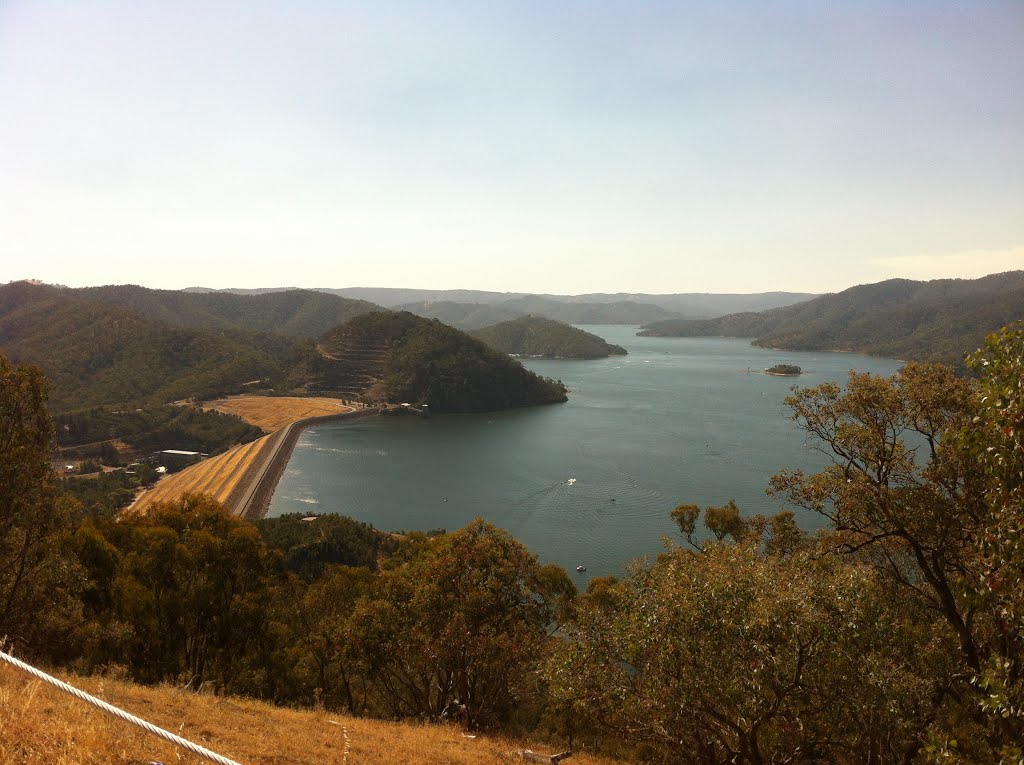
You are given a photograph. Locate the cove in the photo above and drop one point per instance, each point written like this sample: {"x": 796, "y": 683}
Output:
{"x": 677, "y": 420}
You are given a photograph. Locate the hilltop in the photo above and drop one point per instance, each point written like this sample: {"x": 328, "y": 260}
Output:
{"x": 899, "y": 318}
{"x": 399, "y": 357}
{"x": 96, "y": 353}
{"x": 298, "y": 313}
{"x": 537, "y": 336}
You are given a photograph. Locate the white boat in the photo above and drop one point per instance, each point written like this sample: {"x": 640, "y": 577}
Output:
{"x": 570, "y": 482}
{"x": 581, "y": 568}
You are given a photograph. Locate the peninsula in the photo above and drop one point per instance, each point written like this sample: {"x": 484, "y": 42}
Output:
{"x": 546, "y": 338}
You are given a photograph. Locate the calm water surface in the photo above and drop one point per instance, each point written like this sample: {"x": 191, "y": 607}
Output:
{"x": 674, "y": 421}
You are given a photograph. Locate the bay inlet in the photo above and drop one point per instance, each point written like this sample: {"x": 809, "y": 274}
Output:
{"x": 677, "y": 420}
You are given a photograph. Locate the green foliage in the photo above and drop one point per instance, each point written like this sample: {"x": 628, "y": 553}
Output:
{"x": 327, "y": 667}
{"x": 784, "y": 369}
{"x": 181, "y": 594}
{"x": 107, "y": 493}
{"x": 995, "y": 437}
{"x": 455, "y": 623}
{"x": 736, "y": 655}
{"x": 535, "y": 336}
{"x": 310, "y": 547}
{"x": 920, "y": 321}
{"x": 153, "y": 428}
{"x": 38, "y": 580}
{"x": 98, "y": 354}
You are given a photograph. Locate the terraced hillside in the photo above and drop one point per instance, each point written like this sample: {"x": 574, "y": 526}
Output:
{"x": 389, "y": 357}
{"x": 358, "y": 363}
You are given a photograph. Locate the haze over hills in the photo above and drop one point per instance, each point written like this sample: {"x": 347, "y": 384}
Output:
{"x": 301, "y": 313}
{"x": 687, "y": 305}
{"x": 466, "y": 316}
{"x": 97, "y": 353}
{"x": 477, "y": 315}
{"x": 537, "y": 336}
{"x": 920, "y": 321}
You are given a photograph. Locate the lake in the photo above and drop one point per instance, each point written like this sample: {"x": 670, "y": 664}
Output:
{"x": 677, "y": 420}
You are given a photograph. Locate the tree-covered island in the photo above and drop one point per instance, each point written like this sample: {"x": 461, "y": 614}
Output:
{"x": 784, "y": 370}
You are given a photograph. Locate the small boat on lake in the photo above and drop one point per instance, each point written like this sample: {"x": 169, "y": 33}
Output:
{"x": 581, "y": 569}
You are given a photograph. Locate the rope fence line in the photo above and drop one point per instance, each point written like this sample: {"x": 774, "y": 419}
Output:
{"x": 111, "y": 709}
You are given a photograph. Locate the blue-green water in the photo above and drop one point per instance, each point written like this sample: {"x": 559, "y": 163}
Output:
{"x": 674, "y": 421}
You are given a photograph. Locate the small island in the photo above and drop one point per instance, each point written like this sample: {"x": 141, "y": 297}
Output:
{"x": 784, "y": 370}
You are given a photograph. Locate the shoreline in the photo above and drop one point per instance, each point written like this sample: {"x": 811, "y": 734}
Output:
{"x": 254, "y": 500}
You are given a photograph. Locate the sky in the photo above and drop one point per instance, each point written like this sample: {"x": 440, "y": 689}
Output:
{"x": 558, "y": 147}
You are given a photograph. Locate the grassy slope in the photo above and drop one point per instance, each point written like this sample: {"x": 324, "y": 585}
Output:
{"x": 42, "y": 726}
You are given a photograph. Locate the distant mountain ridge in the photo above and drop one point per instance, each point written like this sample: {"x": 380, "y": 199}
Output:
{"x": 936, "y": 320}
{"x": 685, "y": 305}
{"x": 300, "y": 313}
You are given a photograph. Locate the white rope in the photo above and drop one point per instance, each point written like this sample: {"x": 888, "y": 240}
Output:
{"x": 166, "y": 735}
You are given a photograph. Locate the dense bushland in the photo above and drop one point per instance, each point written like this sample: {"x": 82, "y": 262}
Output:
{"x": 895, "y": 635}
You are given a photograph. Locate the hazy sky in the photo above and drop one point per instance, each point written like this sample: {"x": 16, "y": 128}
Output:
{"x": 525, "y": 146}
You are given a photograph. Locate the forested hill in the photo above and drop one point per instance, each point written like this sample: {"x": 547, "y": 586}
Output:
{"x": 477, "y": 315}
{"x": 464, "y": 316}
{"x": 96, "y": 353}
{"x": 399, "y": 357}
{"x": 302, "y": 313}
{"x": 921, "y": 321}
{"x": 537, "y": 336}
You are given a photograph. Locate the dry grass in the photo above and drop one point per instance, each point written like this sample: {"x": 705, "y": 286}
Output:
{"x": 39, "y": 725}
{"x": 217, "y": 476}
{"x": 274, "y": 412}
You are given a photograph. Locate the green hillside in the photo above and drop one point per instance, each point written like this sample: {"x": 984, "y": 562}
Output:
{"x": 537, "y": 336}
{"x": 400, "y": 357}
{"x": 464, "y": 316}
{"x": 899, "y": 318}
{"x": 302, "y": 313}
{"x": 96, "y": 353}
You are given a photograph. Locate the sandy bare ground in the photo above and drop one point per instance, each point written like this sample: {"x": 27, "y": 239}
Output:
{"x": 226, "y": 476}
{"x": 274, "y": 412}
